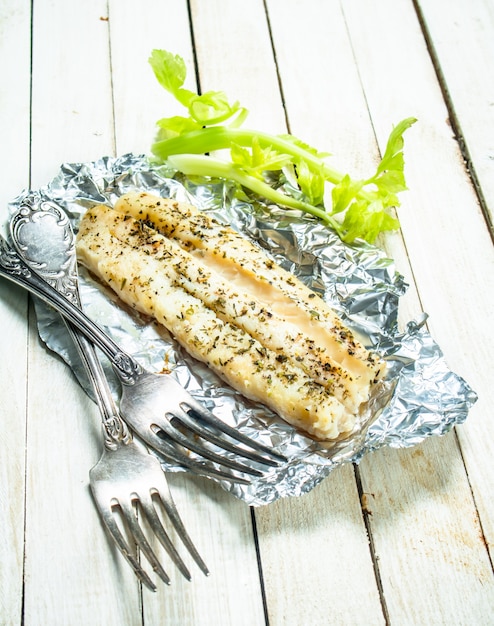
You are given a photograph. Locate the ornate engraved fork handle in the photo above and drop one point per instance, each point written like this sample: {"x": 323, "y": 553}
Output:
{"x": 13, "y": 268}
{"x": 115, "y": 429}
{"x": 42, "y": 236}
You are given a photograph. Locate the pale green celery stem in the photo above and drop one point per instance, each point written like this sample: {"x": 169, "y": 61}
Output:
{"x": 199, "y": 165}
{"x": 221, "y": 137}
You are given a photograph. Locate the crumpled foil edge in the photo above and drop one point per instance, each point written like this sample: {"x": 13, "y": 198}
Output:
{"x": 420, "y": 397}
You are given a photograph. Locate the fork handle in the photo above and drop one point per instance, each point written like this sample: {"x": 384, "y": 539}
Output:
{"x": 14, "y": 269}
{"x": 115, "y": 429}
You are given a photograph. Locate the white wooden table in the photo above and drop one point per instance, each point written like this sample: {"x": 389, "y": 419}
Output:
{"x": 408, "y": 536}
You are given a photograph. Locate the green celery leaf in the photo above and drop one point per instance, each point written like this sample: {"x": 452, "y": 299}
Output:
{"x": 390, "y": 182}
{"x": 393, "y": 155}
{"x": 211, "y": 108}
{"x": 267, "y": 159}
{"x": 367, "y": 221}
{"x": 257, "y": 160}
{"x": 344, "y": 192}
{"x": 241, "y": 156}
{"x": 170, "y": 70}
{"x": 175, "y": 126}
{"x": 311, "y": 182}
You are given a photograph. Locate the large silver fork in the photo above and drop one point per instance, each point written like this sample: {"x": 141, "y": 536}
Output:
{"x": 156, "y": 406}
{"x": 127, "y": 481}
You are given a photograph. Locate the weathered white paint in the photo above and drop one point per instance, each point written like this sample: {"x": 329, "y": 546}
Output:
{"x": 348, "y": 71}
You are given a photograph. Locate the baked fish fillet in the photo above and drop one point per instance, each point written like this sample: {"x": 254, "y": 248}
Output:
{"x": 231, "y": 307}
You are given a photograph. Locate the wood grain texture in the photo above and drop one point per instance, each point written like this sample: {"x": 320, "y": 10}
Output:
{"x": 13, "y": 312}
{"x": 73, "y": 575}
{"x": 313, "y": 548}
{"x": 222, "y": 530}
{"x": 139, "y": 100}
{"x": 14, "y": 165}
{"x": 290, "y": 538}
{"x": 447, "y": 241}
{"x": 221, "y": 526}
{"x": 463, "y": 48}
{"x": 238, "y": 59}
{"x": 419, "y": 504}
{"x": 407, "y": 536}
{"x": 71, "y": 92}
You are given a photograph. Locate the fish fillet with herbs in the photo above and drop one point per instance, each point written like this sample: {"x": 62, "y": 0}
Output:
{"x": 229, "y": 305}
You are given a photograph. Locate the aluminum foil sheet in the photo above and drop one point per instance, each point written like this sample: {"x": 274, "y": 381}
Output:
{"x": 420, "y": 397}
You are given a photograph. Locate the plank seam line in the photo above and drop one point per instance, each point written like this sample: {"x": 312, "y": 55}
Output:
{"x": 259, "y": 565}
{"x": 31, "y": 64}
{"x": 276, "y": 65}
{"x": 484, "y": 538}
{"x": 28, "y": 299}
{"x": 112, "y": 90}
{"x": 24, "y": 529}
{"x": 372, "y": 547}
{"x": 453, "y": 118}
{"x": 193, "y": 46}
{"x": 114, "y": 149}
{"x": 462, "y": 144}
{"x": 411, "y": 272}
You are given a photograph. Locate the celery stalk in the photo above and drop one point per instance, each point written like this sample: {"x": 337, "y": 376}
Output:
{"x": 199, "y": 165}
{"x": 363, "y": 206}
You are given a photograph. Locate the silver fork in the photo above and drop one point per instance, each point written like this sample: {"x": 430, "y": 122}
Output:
{"x": 127, "y": 479}
{"x": 183, "y": 431}
{"x": 128, "y": 482}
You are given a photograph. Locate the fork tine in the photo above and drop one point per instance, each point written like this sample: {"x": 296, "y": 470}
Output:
{"x": 148, "y": 508}
{"x": 165, "y": 497}
{"x": 178, "y": 437}
{"x": 121, "y": 543}
{"x": 160, "y": 444}
{"x": 220, "y": 441}
{"x": 130, "y": 517}
{"x": 206, "y": 416}
{"x": 184, "y": 398}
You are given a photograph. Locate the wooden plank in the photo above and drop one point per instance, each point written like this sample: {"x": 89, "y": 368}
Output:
{"x": 315, "y": 557}
{"x": 219, "y": 524}
{"x": 461, "y": 41}
{"x": 12, "y": 440}
{"x": 221, "y": 528}
{"x": 14, "y": 165}
{"x": 440, "y": 215}
{"x": 139, "y": 100}
{"x": 72, "y": 105}
{"x": 304, "y": 543}
{"x": 234, "y": 55}
{"x": 418, "y": 503}
{"x": 74, "y": 575}
{"x": 427, "y": 535}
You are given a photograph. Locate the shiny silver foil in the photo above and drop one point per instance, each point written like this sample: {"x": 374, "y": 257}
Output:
{"x": 419, "y": 398}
